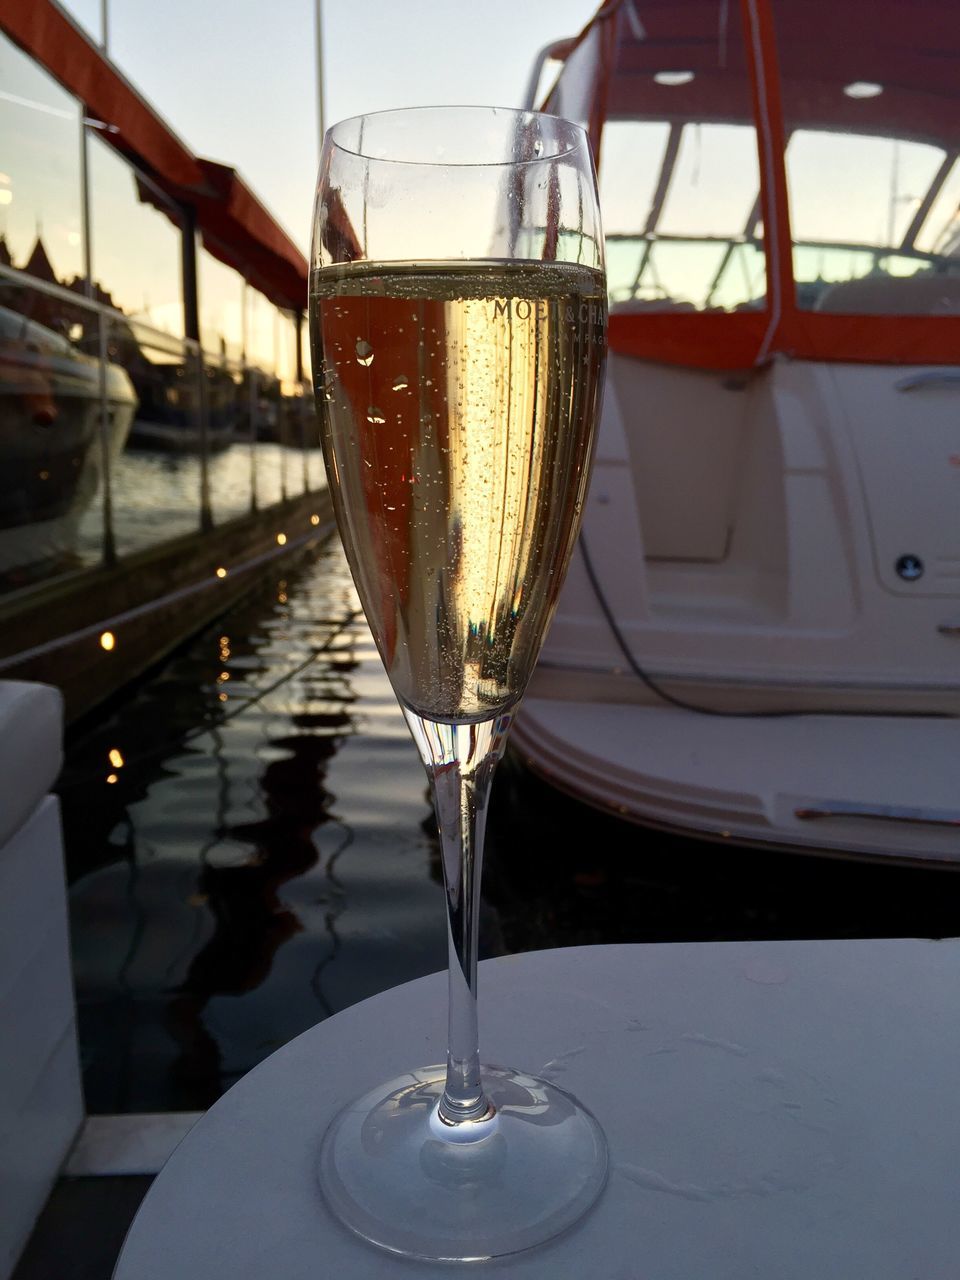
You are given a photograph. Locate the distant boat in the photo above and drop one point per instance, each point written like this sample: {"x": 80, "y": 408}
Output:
{"x": 759, "y": 639}
{"x": 169, "y": 416}
{"x": 51, "y": 452}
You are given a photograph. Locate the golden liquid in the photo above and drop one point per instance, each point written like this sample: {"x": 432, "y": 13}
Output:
{"x": 458, "y": 403}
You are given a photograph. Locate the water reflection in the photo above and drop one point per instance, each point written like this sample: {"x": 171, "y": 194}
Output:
{"x": 264, "y": 861}
{"x": 251, "y": 920}
{"x": 220, "y": 899}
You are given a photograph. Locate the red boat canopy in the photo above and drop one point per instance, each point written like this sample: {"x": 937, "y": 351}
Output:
{"x": 848, "y": 102}
{"x": 242, "y": 233}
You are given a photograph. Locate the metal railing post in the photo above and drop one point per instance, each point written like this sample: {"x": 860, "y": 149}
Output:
{"x": 206, "y": 509}
{"x": 109, "y": 542}
{"x": 283, "y": 436}
{"x": 252, "y": 410}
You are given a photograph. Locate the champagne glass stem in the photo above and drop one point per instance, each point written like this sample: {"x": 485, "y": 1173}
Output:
{"x": 460, "y": 760}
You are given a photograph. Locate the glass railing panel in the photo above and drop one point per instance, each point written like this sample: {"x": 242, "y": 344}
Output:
{"x": 229, "y": 464}
{"x": 220, "y": 301}
{"x": 291, "y": 437}
{"x": 264, "y": 424}
{"x": 158, "y": 483}
{"x": 41, "y": 201}
{"x": 136, "y": 237}
{"x": 103, "y": 458}
{"x": 54, "y": 439}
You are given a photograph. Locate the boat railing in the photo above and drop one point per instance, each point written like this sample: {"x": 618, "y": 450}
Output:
{"x": 116, "y": 436}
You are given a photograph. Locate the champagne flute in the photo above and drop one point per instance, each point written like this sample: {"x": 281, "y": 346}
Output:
{"x": 457, "y": 319}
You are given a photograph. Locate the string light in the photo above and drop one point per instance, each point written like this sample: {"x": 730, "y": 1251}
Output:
{"x": 115, "y": 758}
{"x": 281, "y": 539}
{"x": 107, "y": 640}
{"x": 221, "y": 572}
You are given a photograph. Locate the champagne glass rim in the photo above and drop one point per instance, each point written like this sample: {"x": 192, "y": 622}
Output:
{"x": 576, "y": 141}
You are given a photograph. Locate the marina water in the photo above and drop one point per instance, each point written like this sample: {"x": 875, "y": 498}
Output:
{"x": 251, "y": 848}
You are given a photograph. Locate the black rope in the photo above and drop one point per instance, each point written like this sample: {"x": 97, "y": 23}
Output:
{"x": 649, "y": 681}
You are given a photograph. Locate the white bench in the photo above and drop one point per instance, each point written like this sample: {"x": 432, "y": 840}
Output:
{"x": 41, "y": 1103}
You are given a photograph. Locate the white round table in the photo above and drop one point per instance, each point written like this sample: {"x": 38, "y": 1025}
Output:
{"x": 781, "y": 1110}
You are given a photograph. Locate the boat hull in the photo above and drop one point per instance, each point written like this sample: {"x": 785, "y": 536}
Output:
{"x": 780, "y": 552}
{"x": 865, "y": 786}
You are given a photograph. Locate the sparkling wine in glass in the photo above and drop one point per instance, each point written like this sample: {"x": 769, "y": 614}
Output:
{"x": 457, "y": 319}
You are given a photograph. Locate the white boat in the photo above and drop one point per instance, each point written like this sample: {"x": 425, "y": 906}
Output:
{"x": 759, "y": 639}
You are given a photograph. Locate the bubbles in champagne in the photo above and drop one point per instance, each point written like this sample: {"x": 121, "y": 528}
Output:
{"x": 459, "y": 506}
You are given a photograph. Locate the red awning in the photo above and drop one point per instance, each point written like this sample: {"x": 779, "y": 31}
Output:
{"x": 241, "y": 232}
{"x": 245, "y": 236}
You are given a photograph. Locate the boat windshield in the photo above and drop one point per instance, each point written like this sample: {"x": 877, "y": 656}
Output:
{"x": 871, "y": 125}
{"x": 835, "y": 123}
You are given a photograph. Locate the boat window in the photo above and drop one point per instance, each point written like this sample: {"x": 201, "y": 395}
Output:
{"x": 220, "y": 303}
{"x": 136, "y": 242}
{"x": 632, "y": 157}
{"x": 940, "y": 232}
{"x": 853, "y": 201}
{"x": 679, "y": 168}
{"x": 869, "y": 113}
{"x": 41, "y": 228}
{"x": 681, "y": 215}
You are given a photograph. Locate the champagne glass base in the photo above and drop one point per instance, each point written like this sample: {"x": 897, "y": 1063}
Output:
{"x": 391, "y": 1175}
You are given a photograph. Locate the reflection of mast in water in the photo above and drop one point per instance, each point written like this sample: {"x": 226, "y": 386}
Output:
{"x": 330, "y": 918}
{"x": 251, "y": 922}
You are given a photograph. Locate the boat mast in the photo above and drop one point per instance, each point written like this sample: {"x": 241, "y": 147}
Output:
{"x": 318, "y": 23}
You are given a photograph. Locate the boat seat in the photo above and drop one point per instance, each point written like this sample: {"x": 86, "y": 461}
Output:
{"x": 881, "y": 295}
{"x": 31, "y": 725}
{"x": 41, "y": 1100}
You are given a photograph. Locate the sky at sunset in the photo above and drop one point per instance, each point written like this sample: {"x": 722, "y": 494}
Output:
{"x": 236, "y": 78}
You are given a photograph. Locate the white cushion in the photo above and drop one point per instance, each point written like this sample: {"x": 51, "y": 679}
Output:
{"x": 31, "y": 750}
